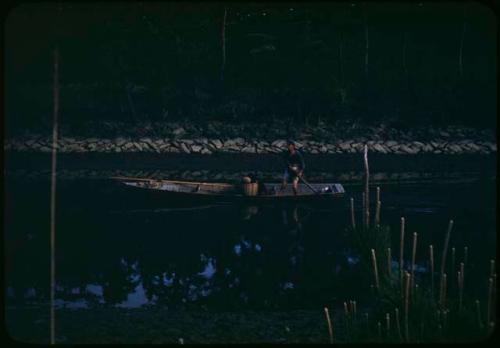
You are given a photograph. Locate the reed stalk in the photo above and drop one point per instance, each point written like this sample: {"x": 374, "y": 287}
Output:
{"x": 347, "y": 321}
{"x": 351, "y": 310}
{"x": 223, "y": 45}
{"x": 444, "y": 288}
{"x": 452, "y": 260}
{"x": 445, "y": 247}
{"x": 353, "y": 220}
{"x": 466, "y": 254}
{"x": 375, "y": 270}
{"x": 329, "y": 322}
{"x": 53, "y": 191}
{"x": 441, "y": 291}
{"x": 461, "y": 285}
{"x": 413, "y": 256}
{"x": 398, "y": 324}
{"x": 494, "y": 288}
{"x": 387, "y": 323}
{"x": 490, "y": 300}
{"x": 401, "y": 253}
{"x": 363, "y": 213}
{"x": 431, "y": 261}
{"x": 389, "y": 261}
{"x": 377, "y": 213}
{"x": 407, "y": 295}
{"x": 478, "y": 312}
{"x": 459, "y": 277}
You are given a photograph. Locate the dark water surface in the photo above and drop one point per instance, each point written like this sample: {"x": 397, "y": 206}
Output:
{"x": 116, "y": 251}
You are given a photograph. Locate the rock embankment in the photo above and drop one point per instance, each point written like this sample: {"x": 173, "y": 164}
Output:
{"x": 207, "y": 146}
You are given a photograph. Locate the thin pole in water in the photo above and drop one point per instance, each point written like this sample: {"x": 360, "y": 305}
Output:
{"x": 367, "y": 189}
{"x": 353, "y": 220}
{"x": 53, "y": 199}
{"x": 329, "y": 322}
{"x": 401, "y": 254}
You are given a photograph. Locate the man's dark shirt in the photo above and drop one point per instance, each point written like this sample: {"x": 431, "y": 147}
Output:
{"x": 294, "y": 160}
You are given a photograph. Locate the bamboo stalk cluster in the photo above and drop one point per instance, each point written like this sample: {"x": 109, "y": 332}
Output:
{"x": 408, "y": 328}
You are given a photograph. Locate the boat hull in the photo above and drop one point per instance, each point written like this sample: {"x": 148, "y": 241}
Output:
{"x": 157, "y": 192}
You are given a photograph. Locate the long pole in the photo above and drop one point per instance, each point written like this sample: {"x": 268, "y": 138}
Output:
{"x": 461, "y": 50}
{"x": 308, "y": 185}
{"x": 223, "y": 44}
{"x": 53, "y": 199}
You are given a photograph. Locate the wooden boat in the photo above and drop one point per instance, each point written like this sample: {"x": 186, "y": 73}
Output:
{"x": 225, "y": 192}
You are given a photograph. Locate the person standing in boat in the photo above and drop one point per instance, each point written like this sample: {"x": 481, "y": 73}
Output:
{"x": 295, "y": 166}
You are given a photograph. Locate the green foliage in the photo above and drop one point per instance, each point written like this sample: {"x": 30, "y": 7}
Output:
{"x": 162, "y": 61}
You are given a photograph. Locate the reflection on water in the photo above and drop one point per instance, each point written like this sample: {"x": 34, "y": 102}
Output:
{"x": 215, "y": 257}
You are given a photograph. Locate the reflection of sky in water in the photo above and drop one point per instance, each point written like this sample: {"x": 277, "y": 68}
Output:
{"x": 95, "y": 289}
{"x": 258, "y": 257}
{"x": 209, "y": 270}
{"x": 136, "y": 298}
{"x": 238, "y": 247}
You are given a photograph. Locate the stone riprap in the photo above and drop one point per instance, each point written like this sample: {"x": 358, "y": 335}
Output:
{"x": 207, "y": 146}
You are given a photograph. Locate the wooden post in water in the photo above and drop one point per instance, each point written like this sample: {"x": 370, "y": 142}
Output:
{"x": 431, "y": 261}
{"x": 363, "y": 214}
{"x": 466, "y": 255}
{"x": 329, "y": 322}
{"x": 389, "y": 262}
{"x": 413, "y": 256}
{"x": 353, "y": 220}
{"x": 453, "y": 258}
{"x": 461, "y": 284}
{"x": 53, "y": 199}
{"x": 401, "y": 254}
{"x": 367, "y": 189}
{"x": 490, "y": 300}
{"x": 223, "y": 39}
{"x": 443, "y": 302}
{"x": 375, "y": 269}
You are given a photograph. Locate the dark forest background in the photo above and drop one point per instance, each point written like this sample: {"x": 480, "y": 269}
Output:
{"x": 407, "y": 64}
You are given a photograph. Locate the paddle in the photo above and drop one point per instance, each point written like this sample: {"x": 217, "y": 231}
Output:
{"x": 308, "y": 185}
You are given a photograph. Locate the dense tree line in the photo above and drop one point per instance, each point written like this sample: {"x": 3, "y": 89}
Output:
{"x": 405, "y": 63}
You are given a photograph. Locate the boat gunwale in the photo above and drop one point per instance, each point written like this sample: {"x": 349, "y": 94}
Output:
{"x": 127, "y": 181}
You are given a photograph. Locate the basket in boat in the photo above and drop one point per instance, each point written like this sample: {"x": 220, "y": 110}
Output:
{"x": 250, "y": 189}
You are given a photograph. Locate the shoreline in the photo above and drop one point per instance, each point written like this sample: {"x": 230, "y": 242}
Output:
{"x": 212, "y": 137}
{"x": 208, "y": 146}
